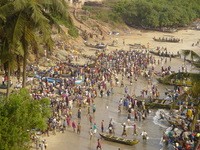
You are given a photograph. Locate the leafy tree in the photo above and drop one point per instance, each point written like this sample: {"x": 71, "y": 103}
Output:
{"x": 29, "y": 21}
{"x": 146, "y": 12}
{"x": 19, "y": 114}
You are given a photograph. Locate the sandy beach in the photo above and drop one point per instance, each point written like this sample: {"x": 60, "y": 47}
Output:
{"x": 107, "y": 106}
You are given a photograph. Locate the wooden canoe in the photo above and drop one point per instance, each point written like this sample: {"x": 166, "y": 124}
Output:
{"x": 164, "y": 54}
{"x": 167, "y": 40}
{"x": 174, "y": 121}
{"x": 4, "y": 86}
{"x": 118, "y": 139}
{"x": 98, "y": 46}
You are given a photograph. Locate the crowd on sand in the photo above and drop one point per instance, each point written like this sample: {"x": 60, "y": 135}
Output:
{"x": 68, "y": 85}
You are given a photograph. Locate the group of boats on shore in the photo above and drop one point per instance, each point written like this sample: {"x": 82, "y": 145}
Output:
{"x": 167, "y": 39}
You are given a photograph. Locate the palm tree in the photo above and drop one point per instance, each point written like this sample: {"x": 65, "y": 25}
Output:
{"x": 31, "y": 20}
{"x": 6, "y": 50}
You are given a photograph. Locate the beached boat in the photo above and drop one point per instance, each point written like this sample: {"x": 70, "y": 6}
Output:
{"x": 176, "y": 79}
{"x": 99, "y": 46}
{"x": 195, "y": 63}
{"x": 78, "y": 81}
{"x": 158, "y": 105}
{"x": 4, "y": 86}
{"x": 137, "y": 46}
{"x": 175, "y": 83}
{"x": 173, "y": 40}
{"x": 51, "y": 80}
{"x": 174, "y": 121}
{"x": 164, "y": 54}
{"x": 118, "y": 139}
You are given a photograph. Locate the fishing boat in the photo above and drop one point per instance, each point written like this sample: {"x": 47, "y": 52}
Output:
{"x": 157, "y": 105}
{"x": 79, "y": 80}
{"x": 173, "y": 40}
{"x": 183, "y": 83}
{"x": 164, "y": 54}
{"x": 174, "y": 121}
{"x": 4, "y": 86}
{"x": 51, "y": 80}
{"x": 118, "y": 139}
{"x": 99, "y": 46}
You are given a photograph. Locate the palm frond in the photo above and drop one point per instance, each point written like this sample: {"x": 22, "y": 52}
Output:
{"x": 5, "y": 10}
{"x": 18, "y": 27}
{"x": 54, "y": 22}
{"x": 50, "y": 44}
{"x": 37, "y": 14}
{"x": 59, "y": 7}
{"x": 35, "y": 45}
{"x": 20, "y": 4}
{"x": 29, "y": 32}
{"x": 2, "y": 18}
{"x": 19, "y": 49}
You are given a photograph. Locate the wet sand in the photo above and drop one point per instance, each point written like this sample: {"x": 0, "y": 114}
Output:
{"x": 107, "y": 107}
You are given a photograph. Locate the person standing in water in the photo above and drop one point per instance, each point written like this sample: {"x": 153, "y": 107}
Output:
{"x": 98, "y": 144}
{"x": 79, "y": 128}
{"x": 144, "y": 135}
{"x": 134, "y": 129}
{"x": 91, "y": 133}
{"x": 102, "y": 126}
{"x": 124, "y": 130}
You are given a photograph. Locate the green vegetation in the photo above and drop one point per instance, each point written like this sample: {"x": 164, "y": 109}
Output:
{"x": 84, "y": 18}
{"x": 158, "y": 13}
{"x": 19, "y": 115}
{"x": 67, "y": 22}
{"x": 87, "y": 8}
{"x": 24, "y": 25}
{"x": 105, "y": 14}
{"x": 149, "y": 13}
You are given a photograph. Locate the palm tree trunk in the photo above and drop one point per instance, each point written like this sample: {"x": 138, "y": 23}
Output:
{"x": 197, "y": 145}
{"x": 18, "y": 68}
{"x": 24, "y": 65}
{"x": 8, "y": 83}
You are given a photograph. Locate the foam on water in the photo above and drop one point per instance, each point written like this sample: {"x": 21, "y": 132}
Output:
{"x": 157, "y": 117}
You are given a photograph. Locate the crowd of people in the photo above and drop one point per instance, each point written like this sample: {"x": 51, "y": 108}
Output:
{"x": 99, "y": 79}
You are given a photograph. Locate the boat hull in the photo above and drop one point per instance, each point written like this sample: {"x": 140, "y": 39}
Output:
{"x": 118, "y": 140}
{"x": 164, "y": 55}
{"x": 160, "y": 40}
